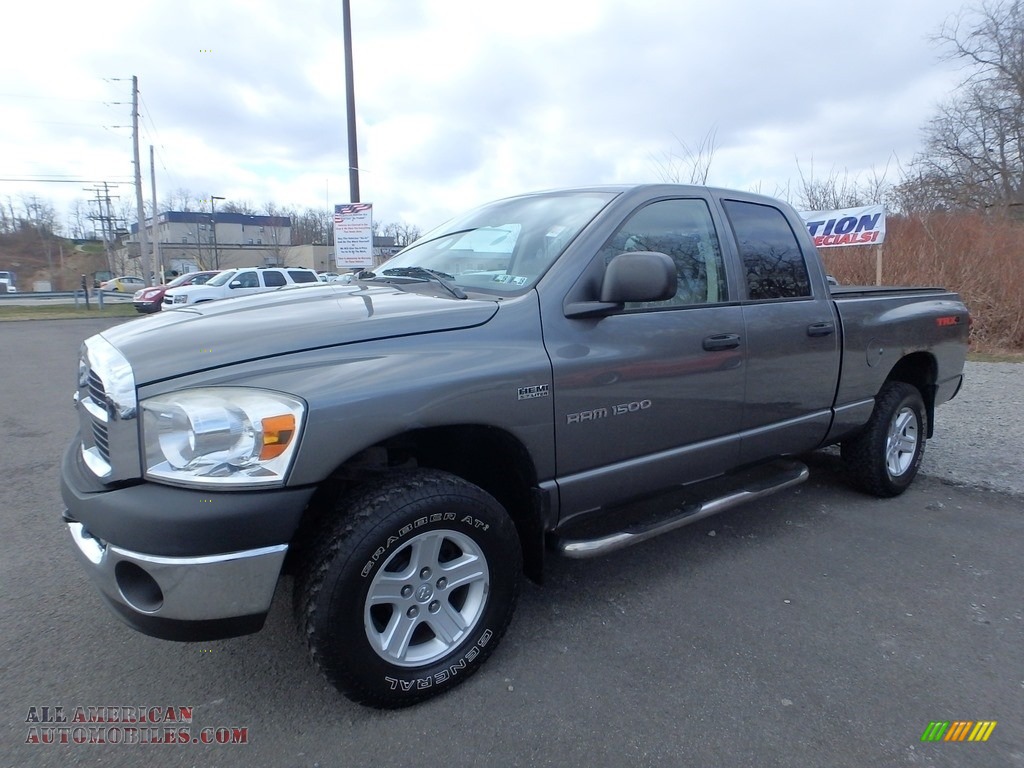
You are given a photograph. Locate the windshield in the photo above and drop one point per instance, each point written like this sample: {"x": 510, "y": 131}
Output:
{"x": 503, "y": 247}
{"x": 223, "y": 277}
{"x": 178, "y": 280}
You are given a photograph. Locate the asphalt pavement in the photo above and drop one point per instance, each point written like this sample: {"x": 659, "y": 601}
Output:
{"x": 818, "y": 627}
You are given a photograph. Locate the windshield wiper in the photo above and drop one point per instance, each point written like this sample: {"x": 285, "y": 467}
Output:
{"x": 441, "y": 278}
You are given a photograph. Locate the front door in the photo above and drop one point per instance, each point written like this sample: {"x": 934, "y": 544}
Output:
{"x": 650, "y": 396}
{"x": 248, "y": 283}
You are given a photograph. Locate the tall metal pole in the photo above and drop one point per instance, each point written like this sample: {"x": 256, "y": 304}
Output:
{"x": 140, "y": 208}
{"x": 350, "y": 104}
{"x": 156, "y": 214}
{"x": 213, "y": 226}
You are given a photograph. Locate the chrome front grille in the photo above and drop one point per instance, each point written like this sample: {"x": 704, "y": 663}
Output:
{"x": 100, "y": 435}
{"x": 101, "y": 438}
{"x": 96, "y": 391}
{"x": 106, "y": 403}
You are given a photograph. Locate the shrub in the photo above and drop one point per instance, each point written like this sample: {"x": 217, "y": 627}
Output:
{"x": 980, "y": 257}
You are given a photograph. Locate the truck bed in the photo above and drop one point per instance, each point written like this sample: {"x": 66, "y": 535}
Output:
{"x": 853, "y": 291}
{"x": 883, "y": 326}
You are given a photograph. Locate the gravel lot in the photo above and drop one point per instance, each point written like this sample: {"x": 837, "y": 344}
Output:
{"x": 979, "y": 436}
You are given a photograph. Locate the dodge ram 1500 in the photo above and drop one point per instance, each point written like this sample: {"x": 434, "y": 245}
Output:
{"x": 410, "y": 446}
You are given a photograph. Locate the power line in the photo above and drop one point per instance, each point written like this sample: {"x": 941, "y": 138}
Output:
{"x": 76, "y": 180}
{"x": 147, "y": 115}
{"x": 49, "y": 98}
{"x": 56, "y": 122}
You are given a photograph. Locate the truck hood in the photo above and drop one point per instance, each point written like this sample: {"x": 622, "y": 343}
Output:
{"x": 196, "y": 291}
{"x": 178, "y": 341}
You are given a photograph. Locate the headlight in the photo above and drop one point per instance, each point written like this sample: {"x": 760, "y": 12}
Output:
{"x": 221, "y": 436}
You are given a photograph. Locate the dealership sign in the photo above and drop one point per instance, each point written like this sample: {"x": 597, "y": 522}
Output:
{"x": 353, "y": 235}
{"x": 850, "y": 226}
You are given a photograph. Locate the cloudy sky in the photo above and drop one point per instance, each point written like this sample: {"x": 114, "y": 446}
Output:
{"x": 461, "y": 102}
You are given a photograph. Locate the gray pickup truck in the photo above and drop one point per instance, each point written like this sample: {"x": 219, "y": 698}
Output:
{"x": 571, "y": 371}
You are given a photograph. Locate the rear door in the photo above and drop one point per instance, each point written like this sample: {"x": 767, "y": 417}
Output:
{"x": 303, "y": 276}
{"x": 273, "y": 279}
{"x": 792, "y": 335}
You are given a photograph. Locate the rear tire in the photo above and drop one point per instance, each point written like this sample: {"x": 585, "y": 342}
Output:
{"x": 883, "y": 459}
{"x": 408, "y": 587}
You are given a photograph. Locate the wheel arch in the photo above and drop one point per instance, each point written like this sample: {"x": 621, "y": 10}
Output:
{"x": 489, "y": 457}
{"x": 920, "y": 370}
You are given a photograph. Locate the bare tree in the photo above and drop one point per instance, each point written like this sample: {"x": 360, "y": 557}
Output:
{"x": 974, "y": 146}
{"x": 313, "y": 225}
{"x": 38, "y": 214}
{"x": 8, "y": 220}
{"x": 183, "y": 199}
{"x": 839, "y": 190}
{"x": 239, "y": 206}
{"x": 275, "y": 235}
{"x": 687, "y": 164}
{"x": 78, "y": 219}
{"x": 402, "y": 232}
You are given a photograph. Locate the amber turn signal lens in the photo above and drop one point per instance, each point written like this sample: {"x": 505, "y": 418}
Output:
{"x": 277, "y": 433}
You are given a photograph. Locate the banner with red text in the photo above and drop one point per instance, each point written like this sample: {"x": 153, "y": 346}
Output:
{"x": 849, "y": 226}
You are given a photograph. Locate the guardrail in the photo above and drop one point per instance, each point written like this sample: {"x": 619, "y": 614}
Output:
{"x": 78, "y": 296}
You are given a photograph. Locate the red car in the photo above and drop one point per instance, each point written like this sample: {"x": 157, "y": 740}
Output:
{"x": 151, "y": 299}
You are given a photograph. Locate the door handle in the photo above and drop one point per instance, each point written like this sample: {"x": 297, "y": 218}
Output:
{"x": 721, "y": 341}
{"x": 821, "y": 329}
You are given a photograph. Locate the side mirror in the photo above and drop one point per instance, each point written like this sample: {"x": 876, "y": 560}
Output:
{"x": 235, "y": 284}
{"x": 639, "y": 276}
{"x": 634, "y": 276}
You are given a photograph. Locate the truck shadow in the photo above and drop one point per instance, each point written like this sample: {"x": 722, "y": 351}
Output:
{"x": 579, "y": 602}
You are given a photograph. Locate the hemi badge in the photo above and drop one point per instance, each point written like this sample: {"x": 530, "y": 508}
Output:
{"x": 538, "y": 390}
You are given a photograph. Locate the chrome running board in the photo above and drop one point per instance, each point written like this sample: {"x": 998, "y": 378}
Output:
{"x": 790, "y": 473}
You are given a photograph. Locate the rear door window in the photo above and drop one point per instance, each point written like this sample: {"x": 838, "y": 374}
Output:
{"x": 273, "y": 279}
{"x": 772, "y": 261}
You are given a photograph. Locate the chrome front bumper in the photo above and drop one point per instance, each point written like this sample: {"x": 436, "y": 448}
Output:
{"x": 166, "y": 596}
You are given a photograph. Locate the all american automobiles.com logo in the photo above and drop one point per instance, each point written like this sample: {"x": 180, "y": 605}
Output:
{"x": 125, "y": 725}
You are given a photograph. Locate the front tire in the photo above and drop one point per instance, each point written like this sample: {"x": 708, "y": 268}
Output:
{"x": 408, "y": 588}
{"x": 883, "y": 459}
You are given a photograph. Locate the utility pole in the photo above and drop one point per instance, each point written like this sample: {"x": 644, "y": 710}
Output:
{"x": 213, "y": 226}
{"x": 143, "y": 240}
{"x": 156, "y": 211}
{"x": 112, "y": 225}
{"x": 105, "y": 220}
{"x": 350, "y": 104}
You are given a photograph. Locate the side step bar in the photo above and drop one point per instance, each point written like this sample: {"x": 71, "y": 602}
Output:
{"x": 791, "y": 473}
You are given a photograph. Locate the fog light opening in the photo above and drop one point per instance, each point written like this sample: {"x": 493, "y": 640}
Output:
{"x": 138, "y": 588}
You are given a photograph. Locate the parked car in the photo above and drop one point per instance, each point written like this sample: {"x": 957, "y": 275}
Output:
{"x": 238, "y": 282}
{"x": 123, "y": 284}
{"x": 517, "y": 379}
{"x": 152, "y": 299}
{"x": 7, "y": 282}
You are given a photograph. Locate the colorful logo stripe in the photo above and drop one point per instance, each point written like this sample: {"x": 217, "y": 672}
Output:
{"x": 982, "y": 730}
{"x": 959, "y": 730}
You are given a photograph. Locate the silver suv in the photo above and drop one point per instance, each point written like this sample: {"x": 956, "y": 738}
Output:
{"x": 238, "y": 282}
